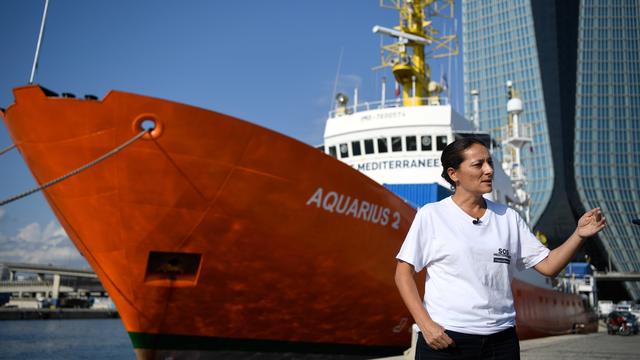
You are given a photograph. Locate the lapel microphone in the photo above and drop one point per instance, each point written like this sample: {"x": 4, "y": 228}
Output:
{"x": 476, "y": 221}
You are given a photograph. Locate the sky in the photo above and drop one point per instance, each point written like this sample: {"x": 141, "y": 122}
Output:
{"x": 275, "y": 63}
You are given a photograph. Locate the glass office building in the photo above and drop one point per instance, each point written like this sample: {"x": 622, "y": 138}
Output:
{"x": 607, "y": 124}
{"x": 497, "y": 46}
{"x": 576, "y": 66}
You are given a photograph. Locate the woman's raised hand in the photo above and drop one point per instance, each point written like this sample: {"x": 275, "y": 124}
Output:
{"x": 591, "y": 223}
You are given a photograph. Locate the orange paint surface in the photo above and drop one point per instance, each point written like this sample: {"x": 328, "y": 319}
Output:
{"x": 273, "y": 265}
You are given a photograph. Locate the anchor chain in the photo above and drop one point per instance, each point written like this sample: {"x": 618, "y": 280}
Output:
{"x": 76, "y": 171}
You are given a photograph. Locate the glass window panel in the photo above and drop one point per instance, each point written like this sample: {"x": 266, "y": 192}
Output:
{"x": 332, "y": 151}
{"x": 382, "y": 145}
{"x": 425, "y": 143}
{"x": 368, "y": 146}
{"x": 344, "y": 151}
{"x": 441, "y": 142}
{"x": 355, "y": 148}
{"x": 411, "y": 143}
{"x": 396, "y": 143}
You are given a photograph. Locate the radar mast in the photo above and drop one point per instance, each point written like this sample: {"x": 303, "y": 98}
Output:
{"x": 417, "y": 41}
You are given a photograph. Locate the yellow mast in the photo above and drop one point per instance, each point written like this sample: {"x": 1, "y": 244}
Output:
{"x": 407, "y": 56}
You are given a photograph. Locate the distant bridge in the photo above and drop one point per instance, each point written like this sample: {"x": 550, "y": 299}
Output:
{"x": 46, "y": 269}
{"x": 30, "y": 286}
{"x": 49, "y": 281}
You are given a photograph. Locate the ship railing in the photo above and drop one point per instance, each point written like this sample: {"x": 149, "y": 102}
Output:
{"x": 525, "y": 130}
{"x": 378, "y": 105}
{"x": 572, "y": 284}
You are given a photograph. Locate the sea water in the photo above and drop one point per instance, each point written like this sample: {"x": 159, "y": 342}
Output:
{"x": 65, "y": 339}
{"x": 99, "y": 339}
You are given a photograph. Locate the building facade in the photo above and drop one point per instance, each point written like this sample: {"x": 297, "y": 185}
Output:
{"x": 576, "y": 66}
{"x": 497, "y": 46}
{"x": 607, "y": 124}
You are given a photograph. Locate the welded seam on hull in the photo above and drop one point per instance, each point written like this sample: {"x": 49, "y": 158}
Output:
{"x": 237, "y": 167}
{"x": 99, "y": 132}
{"x": 87, "y": 252}
{"x": 220, "y": 191}
{"x": 175, "y": 165}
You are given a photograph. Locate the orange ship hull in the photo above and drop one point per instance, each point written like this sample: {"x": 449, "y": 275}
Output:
{"x": 542, "y": 312}
{"x": 211, "y": 233}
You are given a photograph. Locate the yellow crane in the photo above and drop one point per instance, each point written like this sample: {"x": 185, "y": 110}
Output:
{"x": 417, "y": 40}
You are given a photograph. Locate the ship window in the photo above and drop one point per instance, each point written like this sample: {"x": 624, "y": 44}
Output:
{"x": 396, "y": 143}
{"x": 382, "y": 145}
{"x": 425, "y": 143}
{"x": 344, "y": 151}
{"x": 368, "y": 146}
{"x": 441, "y": 142}
{"x": 332, "y": 151}
{"x": 355, "y": 148}
{"x": 411, "y": 143}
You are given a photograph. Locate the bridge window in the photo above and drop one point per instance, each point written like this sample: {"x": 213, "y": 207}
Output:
{"x": 332, "y": 151}
{"x": 441, "y": 142}
{"x": 368, "y": 146}
{"x": 355, "y": 148}
{"x": 425, "y": 143}
{"x": 396, "y": 143}
{"x": 344, "y": 151}
{"x": 411, "y": 143}
{"x": 382, "y": 145}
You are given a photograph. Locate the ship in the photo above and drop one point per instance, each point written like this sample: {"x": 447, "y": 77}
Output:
{"x": 213, "y": 234}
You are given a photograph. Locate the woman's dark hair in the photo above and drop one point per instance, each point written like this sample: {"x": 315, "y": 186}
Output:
{"x": 452, "y": 155}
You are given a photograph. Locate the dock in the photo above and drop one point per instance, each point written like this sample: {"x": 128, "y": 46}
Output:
{"x": 42, "y": 314}
{"x": 582, "y": 347}
{"x": 593, "y": 346}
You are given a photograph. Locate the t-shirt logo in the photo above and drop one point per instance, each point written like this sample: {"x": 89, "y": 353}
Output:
{"x": 502, "y": 256}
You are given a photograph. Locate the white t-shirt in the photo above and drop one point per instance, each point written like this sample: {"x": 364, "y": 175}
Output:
{"x": 470, "y": 266}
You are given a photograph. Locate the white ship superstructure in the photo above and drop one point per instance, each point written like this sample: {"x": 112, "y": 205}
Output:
{"x": 394, "y": 144}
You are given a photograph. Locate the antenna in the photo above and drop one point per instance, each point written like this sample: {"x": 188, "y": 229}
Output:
{"x": 335, "y": 84}
{"x": 40, "y": 35}
{"x": 517, "y": 136}
{"x": 476, "y": 109}
{"x": 416, "y": 40}
{"x": 401, "y": 35}
{"x": 384, "y": 92}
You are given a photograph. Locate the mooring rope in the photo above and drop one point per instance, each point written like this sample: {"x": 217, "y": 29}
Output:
{"x": 74, "y": 172}
{"x": 8, "y": 148}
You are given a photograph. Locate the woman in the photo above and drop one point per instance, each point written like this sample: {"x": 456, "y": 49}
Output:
{"x": 470, "y": 247}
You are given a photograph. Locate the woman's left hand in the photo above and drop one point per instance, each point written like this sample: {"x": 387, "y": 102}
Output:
{"x": 591, "y": 223}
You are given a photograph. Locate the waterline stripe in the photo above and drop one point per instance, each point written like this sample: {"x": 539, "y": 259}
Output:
{"x": 185, "y": 342}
